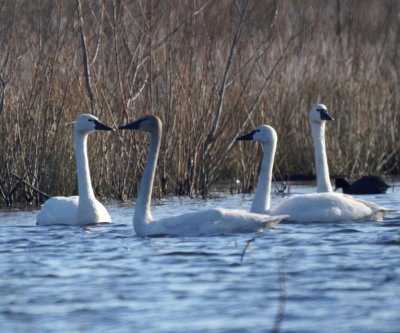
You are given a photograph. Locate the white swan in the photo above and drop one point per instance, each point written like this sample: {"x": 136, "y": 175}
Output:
{"x": 211, "y": 222}
{"x": 83, "y": 209}
{"x": 318, "y": 117}
{"x": 313, "y": 207}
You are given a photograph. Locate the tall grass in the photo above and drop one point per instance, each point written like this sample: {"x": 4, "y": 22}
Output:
{"x": 210, "y": 70}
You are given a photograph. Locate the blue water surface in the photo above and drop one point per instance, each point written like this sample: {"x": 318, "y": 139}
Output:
{"x": 342, "y": 277}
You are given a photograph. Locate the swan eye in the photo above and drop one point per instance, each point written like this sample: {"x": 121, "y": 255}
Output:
{"x": 257, "y": 130}
{"x": 90, "y": 119}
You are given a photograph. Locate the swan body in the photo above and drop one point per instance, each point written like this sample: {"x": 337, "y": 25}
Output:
{"x": 364, "y": 185}
{"x": 313, "y": 207}
{"x": 210, "y": 222}
{"x": 83, "y": 209}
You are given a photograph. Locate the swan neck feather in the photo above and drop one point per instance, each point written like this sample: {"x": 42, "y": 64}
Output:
{"x": 321, "y": 159}
{"x": 262, "y": 197}
{"x": 85, "y": 189}
{"x": 142, "y": 216}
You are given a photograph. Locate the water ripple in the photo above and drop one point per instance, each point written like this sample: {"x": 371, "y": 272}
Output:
{"x": 103, "y": 278}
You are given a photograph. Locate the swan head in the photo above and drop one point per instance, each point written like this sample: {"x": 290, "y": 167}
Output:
{"x": 87, "y": 123}
{"x": 149, "y": 123}
{"x": 264, "y": 134}
{"x": 319, "y": 114}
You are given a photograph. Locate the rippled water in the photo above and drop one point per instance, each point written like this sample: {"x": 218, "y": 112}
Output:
{"x": 294, "y": 278}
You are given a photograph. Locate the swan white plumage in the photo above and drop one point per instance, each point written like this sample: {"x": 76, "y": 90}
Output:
{"x": 83, "y": 209}
{"x": 210, "y": 222}
{"x": 313, "y": 207}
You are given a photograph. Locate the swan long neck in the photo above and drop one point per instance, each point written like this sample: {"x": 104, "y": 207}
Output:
{"x": 85, "y": 189}
{"x": 262, "y": 197}
{"x": 142, "y": 214}
{"x": 321, "y": 159}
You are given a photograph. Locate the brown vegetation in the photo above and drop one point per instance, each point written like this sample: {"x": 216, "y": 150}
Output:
{"x": 210, "y": 70}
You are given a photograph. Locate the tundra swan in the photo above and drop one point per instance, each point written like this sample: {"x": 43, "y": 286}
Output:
{"x": 85, "y": 208}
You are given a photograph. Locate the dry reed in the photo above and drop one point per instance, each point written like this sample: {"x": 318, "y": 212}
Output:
{"x": 210, "y": 70}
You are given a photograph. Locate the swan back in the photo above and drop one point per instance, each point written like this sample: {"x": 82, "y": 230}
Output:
{"x": 58, "y": 210}
{"x": 327, "y": 207}
{"x": 210, "y": 222}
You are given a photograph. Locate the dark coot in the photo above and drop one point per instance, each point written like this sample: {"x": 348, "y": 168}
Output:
{"x": 364, "y": 185}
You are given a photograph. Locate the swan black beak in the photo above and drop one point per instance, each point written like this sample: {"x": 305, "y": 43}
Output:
{"x": 325, "y": 115}
{"x": 101, "y": 127}
{"x": 247, "y": 137}
{"x": 131, "y": 126}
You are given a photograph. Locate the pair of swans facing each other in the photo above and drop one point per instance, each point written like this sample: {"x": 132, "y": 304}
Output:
{"x": 85, "y": 209}
{"x": 210, "y": 222}
{"x": 324, "y": 206}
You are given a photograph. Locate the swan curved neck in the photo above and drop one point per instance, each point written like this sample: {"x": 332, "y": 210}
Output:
{"x": 262, "y": 197}
{"x": 85, "y": 189}
{"x": 321, "y": 159}
{"x": 142, "y": 214}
